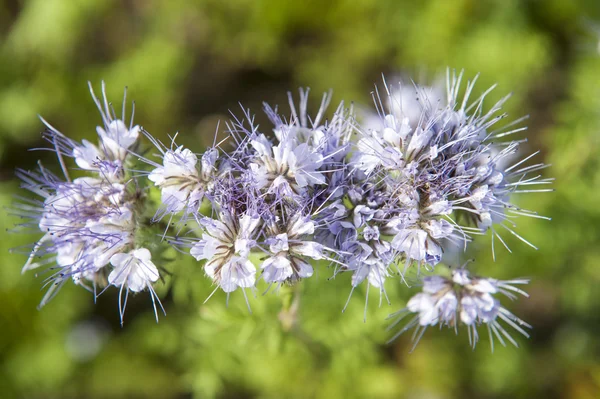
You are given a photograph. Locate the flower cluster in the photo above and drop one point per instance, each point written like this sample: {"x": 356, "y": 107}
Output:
{"x": 463, "y": 299}
{"x": 265, "y": 195}
{"x": 90, "y": 223}
{"x": 378, "y": 198}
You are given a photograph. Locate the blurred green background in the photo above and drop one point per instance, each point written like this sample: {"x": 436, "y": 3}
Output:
{"x": 186, "y": 64}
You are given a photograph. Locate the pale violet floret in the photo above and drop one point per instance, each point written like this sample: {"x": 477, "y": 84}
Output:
{"x": 182, "y": 184}
{"x": 417, "y": 235}
{"x": 289, "y": 249}
{"x": 116, "y": 231}
{"x": 422, "y": 243}
{"x": 434, "y": 309}
{"x": 295, "y": 166}
{"x": 374, "y": 151}
{"x": 321, "y": 147}
{"x": 225, "y": 245}
{"x": 302, "y": 128}
{"x": 397, "y": 144}
{"x": 238, "y": 272}
{"x": 133, "y": 270}
{"x": 373, "y": 269}
{"x": 368, "y": 259}
{"x": 87, "y": 155}
{"x": 116, "y": 139}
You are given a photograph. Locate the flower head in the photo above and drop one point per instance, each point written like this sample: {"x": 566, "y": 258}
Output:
{"x": 421, "y": 176}
{"x": 182, "y": 185}
{"x": 115, "y": 141}
{"x": 225, "y": 245}
{"x": 92, "y": 221}
{"x": 134, "y": 271}
{"x": 289, "y": 247}
{"x": 463, "y": 300}
{"x": 376, "y": 198}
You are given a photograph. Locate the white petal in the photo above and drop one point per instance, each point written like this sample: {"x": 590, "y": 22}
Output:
{"x": 411, "y": 242}
{"x": 279, "y": 243}
{"x": 262, "y": 146}
{"x": 362, "y": 271}
{"x": 377, "y": 275}
{"x": 468, "y": 313}
{"x": 87, "y": 156}
{"x": 248, "y": 224}
{"x": 391, "y": 136}
{"x": 206, "y": 248}
{"x": 301, "y": 226}
{"x": 238, "y": 272}
{"x": 157, "y": 176}
{"x": 142, "y": 254}
{"x": 485, "y": 286}
{"x": 439, "y": 228}
{"x": 309, "y": 248}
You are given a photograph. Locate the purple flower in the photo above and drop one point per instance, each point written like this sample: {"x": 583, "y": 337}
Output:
{"x": 463, "y": 299}
{"x": 225, "y": 245}
{"x": 289, "y": 248}
{"x": 90, "y": 223}
{"x": 182, "y": 185}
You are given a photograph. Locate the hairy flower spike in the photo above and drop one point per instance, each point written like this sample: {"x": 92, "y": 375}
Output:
{"x": 90, "y": 224}
{"x": 446, "y": 165}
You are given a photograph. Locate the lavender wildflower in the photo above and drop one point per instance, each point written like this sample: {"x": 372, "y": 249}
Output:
{"x": 444, "y": 166}
{"x": 286, "y": 167}
{"x": 225, "y": 245}
{"x": 133, "y": 271}
{"x": 463, "y": 299}
{"x": 115, "y": 142}
{"x": 288, "y": 250}
{"x": 90, "y": 222}
{"x": 183, "y": 186}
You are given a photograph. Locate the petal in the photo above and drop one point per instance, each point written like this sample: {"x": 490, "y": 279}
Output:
{"x": 309, "y": 248}
{"x": 303, "y": 269}
{"x": 276, "y": 269}
{"x": 301, "y": 226}
{"x": 119, "y": 260}
{"x": 142, "y": 254}
{"x": 361, "y": 272}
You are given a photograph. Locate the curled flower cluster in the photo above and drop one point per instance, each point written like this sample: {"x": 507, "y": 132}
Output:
{"x": 463, "y": 299}
{"x": 416, "y": 180}
{"x": 90, "y": 223}
{"x": 265, "y": 196}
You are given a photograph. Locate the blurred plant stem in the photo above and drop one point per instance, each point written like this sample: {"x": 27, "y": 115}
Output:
{"x": 290, "y": 299}
{"x": 290, "y": 322}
